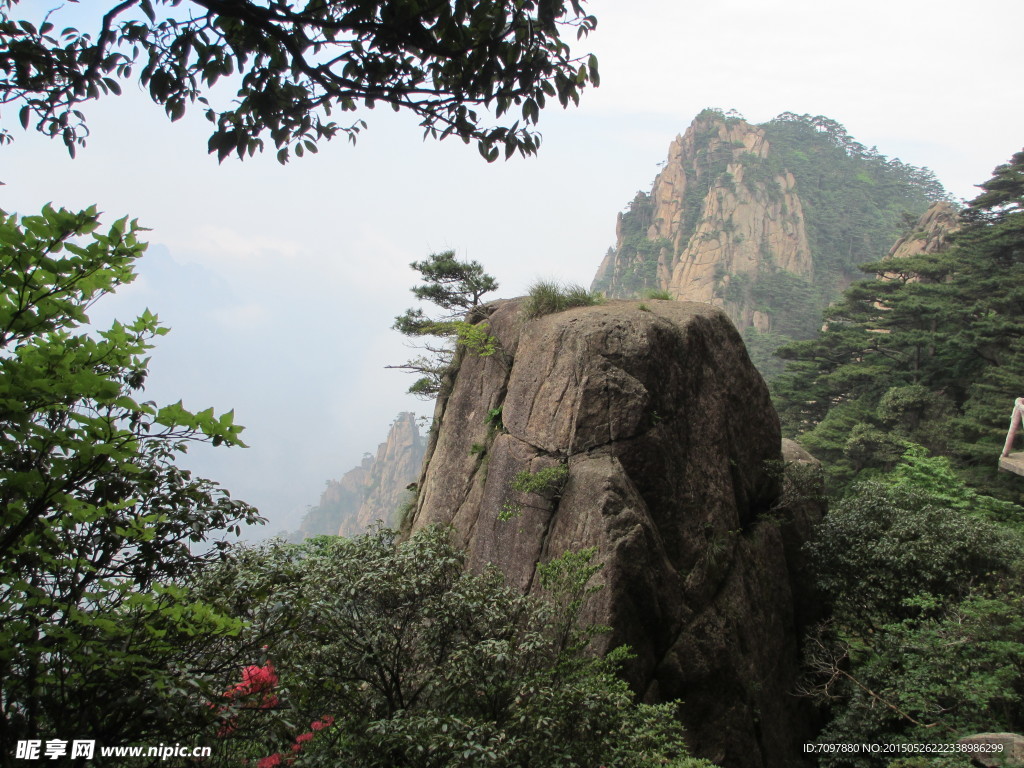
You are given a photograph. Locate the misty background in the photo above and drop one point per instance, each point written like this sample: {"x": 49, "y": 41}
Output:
{"x": 280, "y": 283}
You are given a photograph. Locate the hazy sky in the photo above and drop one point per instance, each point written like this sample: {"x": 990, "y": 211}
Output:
{"x": 280, "y": 283}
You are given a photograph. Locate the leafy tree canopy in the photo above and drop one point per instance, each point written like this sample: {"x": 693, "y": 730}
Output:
{"x": 418, "y": 663}
{"x": 453, "y": 285}
{"x": 296, "y": 63}
{"x": 924, "y": 644}
{"x": 97, "y": 523}
{"x": 887, "y": 542}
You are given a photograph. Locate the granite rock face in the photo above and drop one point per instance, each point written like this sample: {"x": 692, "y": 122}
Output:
{"x": 714, "y": 227}
{"x": 396, "y": 465}
{"x": 931, "y": 233}
{"x": 672, "y": 449}
{"x": 1002, "y": 749}
{"x": 339, "y": 503}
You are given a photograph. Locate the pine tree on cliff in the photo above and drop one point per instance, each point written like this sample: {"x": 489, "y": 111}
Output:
{"x": 456, "y": 287}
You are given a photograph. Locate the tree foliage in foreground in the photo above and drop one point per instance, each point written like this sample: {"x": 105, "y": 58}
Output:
{"x": 926, "y": 640}
{"x": 415, "y": 662}
{"x": 97, "y": 524}
{"x": 294, "y": 64}
{"x": 930, "y": 351}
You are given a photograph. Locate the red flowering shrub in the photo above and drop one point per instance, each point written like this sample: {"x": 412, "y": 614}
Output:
{"x": 300, "y": 742}
{"x": 259, "y": 681}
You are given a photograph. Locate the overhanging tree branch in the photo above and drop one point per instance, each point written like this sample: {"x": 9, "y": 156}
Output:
{"x": 439, "y": 60}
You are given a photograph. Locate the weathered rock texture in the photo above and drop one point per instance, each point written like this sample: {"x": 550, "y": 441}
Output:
{"x": 769, "y": 222}
{"x": 931, "y": 233}
{"x": 339, "y": 503}
{"x": 710, "y": 223}
{"x": 375, "y": 490}
{"x": 670, "y": 440}
{"x": 1010, "y": 748}
{"x": 396, "y": 465}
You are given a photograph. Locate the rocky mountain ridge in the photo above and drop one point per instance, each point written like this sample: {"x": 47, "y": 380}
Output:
{"x": 742, "y": 224}
{"x": 930, "y": 234}
{"x": 374, "y": 490}
{"x": 768, "y": 222}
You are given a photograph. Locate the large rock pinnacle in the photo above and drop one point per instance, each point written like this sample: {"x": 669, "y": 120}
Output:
{"x": 672, "y": 449}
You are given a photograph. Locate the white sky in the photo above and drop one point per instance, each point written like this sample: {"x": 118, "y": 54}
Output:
{"x": 280, "y": 283}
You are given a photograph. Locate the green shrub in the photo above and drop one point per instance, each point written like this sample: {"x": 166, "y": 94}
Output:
{"x": 546, "y": 297}
{"x": 883, "y": 544}
{"x": 935, "y": 476}
{"x": 578, "y": 296}
{"x": 658, "y": 295}
{"x": 476, "y": 338}
{"x": 547, "y": 482}
{"x": 925, "y": 640}
{"x": 494, "y": 418}
{"x": 550, "y": 480}
{"x": 420, "y": 664}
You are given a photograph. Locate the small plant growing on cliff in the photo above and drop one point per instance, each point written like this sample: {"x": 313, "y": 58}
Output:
{"x": 546, "y": 297}
{"x": 476, "y": 338}
{"x": 548, "y": 482}
{"x": 494, "y": 418}
{"x": 717, "y": 545}
{"x": 658, "y": 295}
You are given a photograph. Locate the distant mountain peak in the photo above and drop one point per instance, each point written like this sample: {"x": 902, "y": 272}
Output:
{"x": 374, "y": 490}
{"x": 768, "y": 222}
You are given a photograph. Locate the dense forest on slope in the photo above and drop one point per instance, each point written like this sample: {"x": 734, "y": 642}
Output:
{"x": 905, "y": 397}
{"x": 925, "y": 641}
{"x": 849, "y": 203}
{"x": 856, "y": 200}
{"x": 929, "y": 351}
